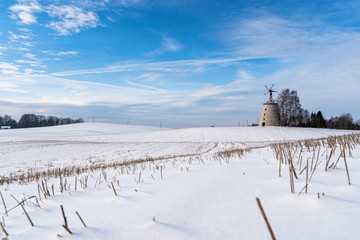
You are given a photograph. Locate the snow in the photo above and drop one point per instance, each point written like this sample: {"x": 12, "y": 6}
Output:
{"x": 198, "y": 196}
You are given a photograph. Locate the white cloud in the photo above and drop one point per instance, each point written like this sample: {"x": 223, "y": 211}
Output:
{"x": 179, "y": 66}
{"x": 171, "y": 45}
{"x": 10, "y": 87}
{"x": 167, "y": 45}
{"x": 150, "y": 77}
{"x": 15, "y": 37}
{"x": 61, "y": 53}
{"x": 31, "y": 56}
{"x": 31, "y": 63}
{"x": 23, "y": 49}
{"x": 8, "y": 68}
{"x": 71, "y": 19}
{"x": 127, "y": 3}
{"x": 2, "y": 49}
{"x": 25, "y": 10}
{"x": 275, "y": 37}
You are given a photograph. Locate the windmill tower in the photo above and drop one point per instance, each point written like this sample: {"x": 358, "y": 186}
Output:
{"x": 270, "y": 115}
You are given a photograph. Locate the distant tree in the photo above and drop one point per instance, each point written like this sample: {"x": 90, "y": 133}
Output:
{"x": 79, "y": 120}
{"x": 346, "y": 121}
{"x": 333, "y": 123}
{"x": 357, "y": 125}
{"x": 51, "y": 121}
{"x": 42, "y": 120}
{"x": 291, "y": 112}
{"x": 317, "y": 120}
{"x": 32, "y": 120}
{"x": 8, "y": 121}
{"x": 306, "y": 119}
{"x": 28, "y": 120}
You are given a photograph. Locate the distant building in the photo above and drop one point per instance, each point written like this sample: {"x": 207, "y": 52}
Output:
{"x": 5, "y": 127}
{"x": 270, "y": 115}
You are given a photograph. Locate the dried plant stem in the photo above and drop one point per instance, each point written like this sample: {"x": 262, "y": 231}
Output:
{"x": 341, "y": 154}
{"x": 67, "y": 229}
{"x": 113, "y": 189}
{"x": 2, "y": 198}
{"x": 3, "y": 229}
{"x": 65, "y": 221}
{"x": 347, "y": 170}
{"x": 307, "y": 174}
{"x": 80, "y": 219}
{"x": 328, "y": 160}
{"x": 265, "y": 218}
{"x": 302, "y": 189}
{"x": 280, "y": 160}
{"x": 139, "y": 177}
{"x": 23, "y": 208}
{"x": 302, "y": 170}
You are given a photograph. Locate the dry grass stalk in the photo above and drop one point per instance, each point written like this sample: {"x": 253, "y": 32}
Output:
{"x": 3, "y": 201}
{"x": 3, "y": 229}
{"x": 265, "y": 218}
{"x": 139, "y": 177}
{"x": 80, "y": 219}
{"x": 342, "y": 150}
{"x": 65, "y": 225}
{"x": 347, "y": 170}
{"x": 113, "y": 189}
{"x": 280, "y": 168}
{"x": 39, "y": 191}
{"x": 307, "y": 174}
{"x": 328, "y": 160}
{"x": 302, "y": 170}
{"x": 23, "y": 208}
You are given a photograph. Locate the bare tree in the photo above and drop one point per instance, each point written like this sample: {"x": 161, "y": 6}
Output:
{"x": 291, "y": 112}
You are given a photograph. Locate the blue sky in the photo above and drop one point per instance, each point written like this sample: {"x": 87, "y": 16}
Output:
{"x": 184, "y": 63}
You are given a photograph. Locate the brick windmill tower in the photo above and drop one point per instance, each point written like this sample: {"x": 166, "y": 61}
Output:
{"x": 270, "y": 115}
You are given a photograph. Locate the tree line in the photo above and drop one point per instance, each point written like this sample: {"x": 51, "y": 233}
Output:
{"x": 32, "y": 120}
{"x": 293, "y": 115}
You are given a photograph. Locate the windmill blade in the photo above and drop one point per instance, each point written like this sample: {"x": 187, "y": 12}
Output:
{"x": 272, "y": 86}
{"x": 267, "y": 88}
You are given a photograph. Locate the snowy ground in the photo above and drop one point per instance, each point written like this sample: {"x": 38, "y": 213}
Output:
{"x": 194, "y": 197}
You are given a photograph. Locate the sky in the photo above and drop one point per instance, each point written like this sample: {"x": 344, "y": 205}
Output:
{"x": 176, "y": 63}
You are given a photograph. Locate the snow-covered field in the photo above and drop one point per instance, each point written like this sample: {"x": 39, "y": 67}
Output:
{"x": 191, "y": 193}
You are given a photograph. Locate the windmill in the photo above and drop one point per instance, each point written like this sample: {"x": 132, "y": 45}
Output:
{"x": 270, "y": 90}
{"x": 270, "y": 115}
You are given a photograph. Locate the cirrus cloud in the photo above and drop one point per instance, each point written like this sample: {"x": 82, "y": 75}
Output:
{"x": 71, "y": 19}
{"x": 24, "y": 11}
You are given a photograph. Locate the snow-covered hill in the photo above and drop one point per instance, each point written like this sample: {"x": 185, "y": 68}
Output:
{"x": 191, "y": 194}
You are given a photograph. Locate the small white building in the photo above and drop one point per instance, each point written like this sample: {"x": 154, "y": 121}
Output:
{"x": 5, "y": 127}
{"x": 270, "y": 115}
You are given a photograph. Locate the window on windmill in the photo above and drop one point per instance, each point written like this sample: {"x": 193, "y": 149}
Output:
{"x": 264, "y": 114}
{"x": 264, "y": 119}
{"x": 265, "y": 109}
